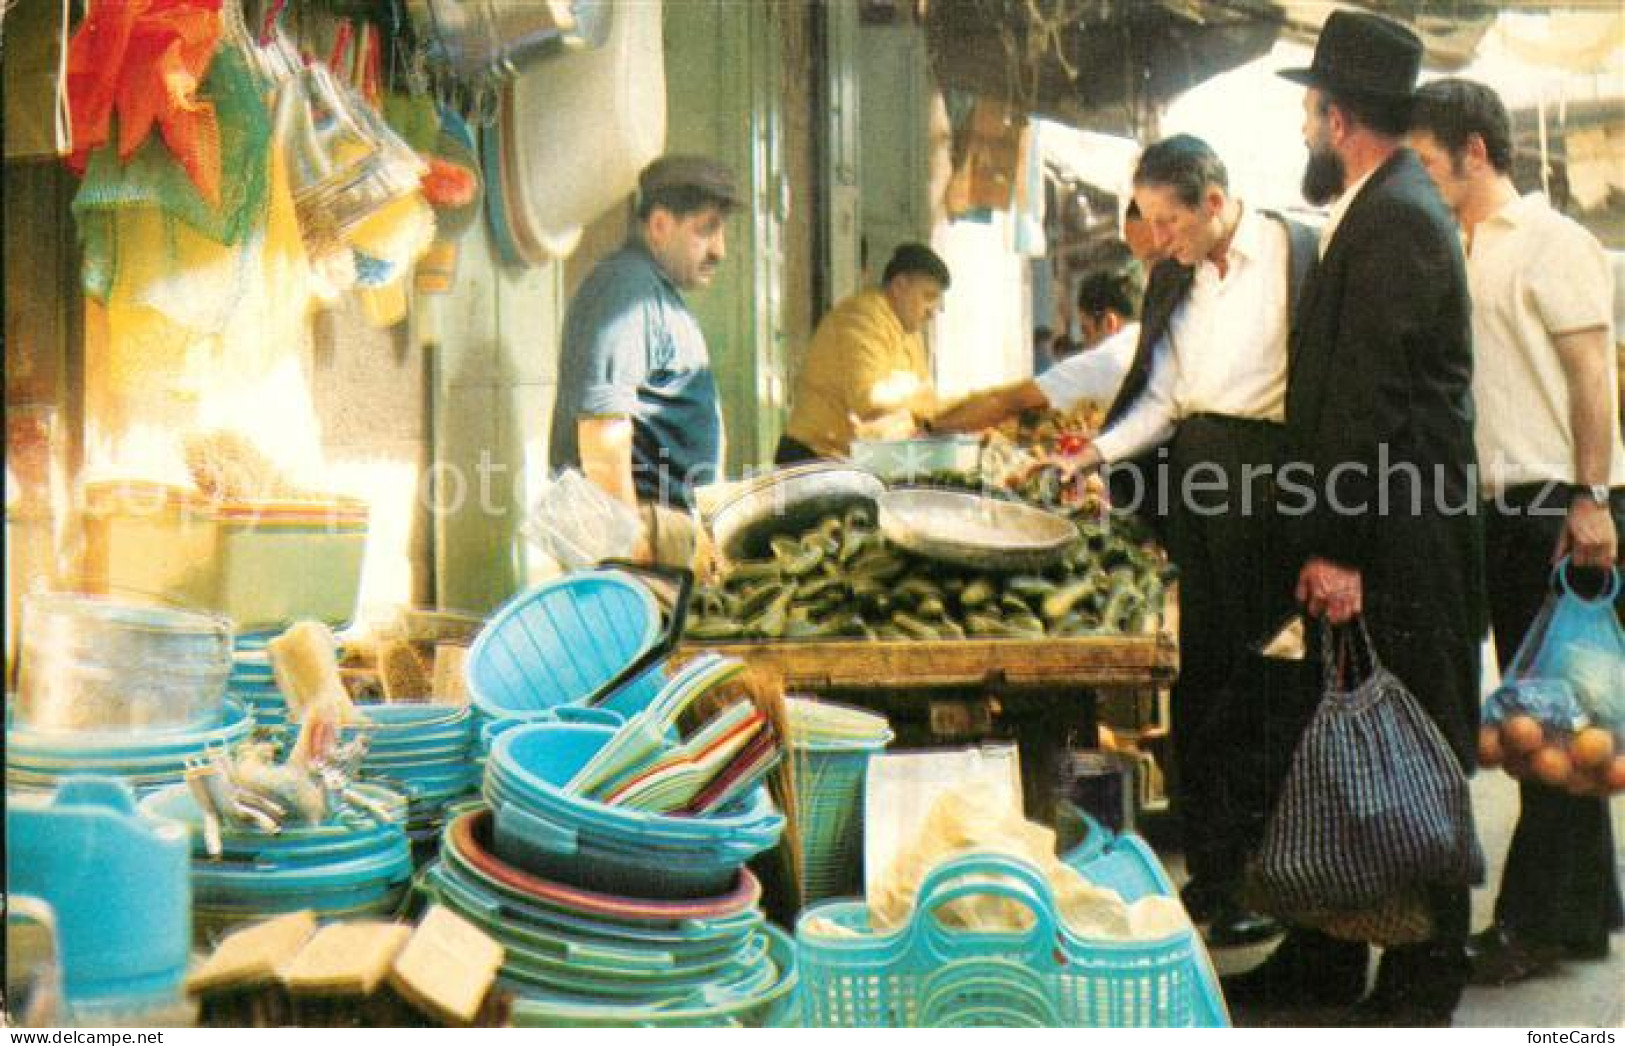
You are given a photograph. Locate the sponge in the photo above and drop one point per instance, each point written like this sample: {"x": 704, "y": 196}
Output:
{"x": 447, "y": 968}
{"x": 307, "y": 670}
{"x": 254, "y": 954}
{"x": 350, "y": 958}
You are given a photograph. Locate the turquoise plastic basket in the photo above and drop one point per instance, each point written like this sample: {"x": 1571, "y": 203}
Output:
{"x": 926, "y": 974}
{"x": 560, "y": 642}
{"x": 829, "y": 802}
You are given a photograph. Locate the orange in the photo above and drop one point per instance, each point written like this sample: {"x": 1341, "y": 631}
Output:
{"x": 1551, "y": 766}
{"x": 1592, "y": 746}
{"x": 1521, "y": 733}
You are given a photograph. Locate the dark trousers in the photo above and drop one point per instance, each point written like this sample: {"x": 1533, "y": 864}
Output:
{"x": 794, "y": 452}
{"x": 1232, "y": 589}
{"x": 1560, "y": 884}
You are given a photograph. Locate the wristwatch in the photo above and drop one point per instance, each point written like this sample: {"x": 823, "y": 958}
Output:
{"x": 1596, "y": 493}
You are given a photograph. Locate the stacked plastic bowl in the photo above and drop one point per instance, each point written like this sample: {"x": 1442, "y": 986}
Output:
{"x": 253, "y": 683}
{"x": 831, "y": 746}
{"x": 353, "y": 864}
{"x": 119, "y": 689}
{"x": 424, "y": 752}
{"x": 545, "y": 829}
{"x": 146, "y": 760}
{"x": 579, "y": 957}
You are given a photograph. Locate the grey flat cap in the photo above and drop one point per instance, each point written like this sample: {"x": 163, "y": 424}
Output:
{"x": 683, "y": 171}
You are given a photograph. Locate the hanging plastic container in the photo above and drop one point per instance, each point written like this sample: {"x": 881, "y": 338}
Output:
{"x": 477, "y": 39}
{"x": 117, "y": 883}
{"x": 576, "y": 130}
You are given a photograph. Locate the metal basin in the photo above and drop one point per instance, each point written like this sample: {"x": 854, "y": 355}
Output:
{"x": 970, "y": 530}
{"x": 789, "y": 501}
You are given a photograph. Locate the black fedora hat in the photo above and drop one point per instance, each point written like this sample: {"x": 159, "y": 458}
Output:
{"x": 1363, "y": 54}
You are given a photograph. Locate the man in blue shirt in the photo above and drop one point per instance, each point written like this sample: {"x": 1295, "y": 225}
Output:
{"x": 637, "y": 407}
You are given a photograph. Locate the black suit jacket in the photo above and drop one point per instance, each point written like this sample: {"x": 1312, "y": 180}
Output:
{"x": 1379, "y": 410}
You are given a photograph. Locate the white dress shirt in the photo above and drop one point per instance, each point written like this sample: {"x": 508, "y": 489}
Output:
{"x": 1340, "y": 207}
{"x": 1093, "y": 375}
{"x": 1226, "y": 347}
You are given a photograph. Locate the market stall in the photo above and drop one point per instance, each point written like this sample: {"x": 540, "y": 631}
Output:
{"x": 962, "y": 616}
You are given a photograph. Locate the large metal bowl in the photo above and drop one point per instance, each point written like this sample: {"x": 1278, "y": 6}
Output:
{"x": 970, "y": 530}
{"x": 788, "y": 501}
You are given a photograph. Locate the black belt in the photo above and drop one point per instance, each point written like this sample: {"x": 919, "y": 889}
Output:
{"x": 1233, "y": 421}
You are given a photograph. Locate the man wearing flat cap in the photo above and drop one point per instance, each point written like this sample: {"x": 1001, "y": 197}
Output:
{"x": 637, "y": 407}
{"x": 1379, "y": 490}
{"x": 867, "y": 364}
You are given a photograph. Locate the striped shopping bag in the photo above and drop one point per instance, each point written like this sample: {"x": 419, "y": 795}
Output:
{"x": 1374, "y": 805}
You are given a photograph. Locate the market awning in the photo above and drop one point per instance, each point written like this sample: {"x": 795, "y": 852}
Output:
{"x": 1107, "y": 64}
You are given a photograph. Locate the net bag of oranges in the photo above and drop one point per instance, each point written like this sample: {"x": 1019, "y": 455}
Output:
{"x": 1558, "y": 716}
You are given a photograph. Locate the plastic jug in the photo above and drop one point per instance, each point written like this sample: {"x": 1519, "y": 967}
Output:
{"x": 118, "y": 883}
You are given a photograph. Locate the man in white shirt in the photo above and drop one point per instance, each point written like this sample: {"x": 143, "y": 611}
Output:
{"x": 1552, "y": 479}
{"x": 1209, "y": 384}
{"x": 1108, "y": 316}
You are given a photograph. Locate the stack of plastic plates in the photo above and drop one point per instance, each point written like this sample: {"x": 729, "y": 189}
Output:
{"x": 146, "y": 759}
{"x": 571, "y": 951}
{"x": 351, "y": 865}
{"x": 424, "y": 752}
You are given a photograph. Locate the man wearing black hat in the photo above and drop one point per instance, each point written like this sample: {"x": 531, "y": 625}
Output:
{"x": 1379, "y": 413}
{"x": 867, "y": 363}
{"x": 637, "y": 407}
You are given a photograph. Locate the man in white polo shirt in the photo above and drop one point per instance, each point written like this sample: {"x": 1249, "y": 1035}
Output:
{"x": 1553, "y": 483}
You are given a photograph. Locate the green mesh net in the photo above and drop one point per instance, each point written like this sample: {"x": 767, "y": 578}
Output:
{"x": 154, "y": 178}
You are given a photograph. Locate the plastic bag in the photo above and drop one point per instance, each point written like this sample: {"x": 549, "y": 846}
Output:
{"x": 578, "y": 524}
{"x": 1559, "y": 714}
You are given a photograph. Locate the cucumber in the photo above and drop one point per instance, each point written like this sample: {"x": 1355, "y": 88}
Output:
{"x": 1030, "y": 587}
{"x": 978, "y": 593}
{"x": 711, "y": 628}
{"x": 914, "y": 627}
{"x": 1060, "y": 603}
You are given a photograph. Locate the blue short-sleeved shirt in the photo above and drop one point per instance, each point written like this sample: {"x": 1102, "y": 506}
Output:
{"x": 633, "y": 349}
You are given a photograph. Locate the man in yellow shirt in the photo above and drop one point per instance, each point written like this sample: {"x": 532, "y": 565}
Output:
{"x": 867, "y": 360}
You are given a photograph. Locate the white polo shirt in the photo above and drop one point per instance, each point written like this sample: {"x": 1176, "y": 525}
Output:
{"x": 1533, "y": 272}
{"x": 1093, "y": 375}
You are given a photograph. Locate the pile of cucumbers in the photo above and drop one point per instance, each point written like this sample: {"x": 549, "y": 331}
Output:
{"x": 843, "y": 580}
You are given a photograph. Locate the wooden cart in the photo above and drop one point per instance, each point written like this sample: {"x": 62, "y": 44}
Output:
{"x": 1039, "y": 693}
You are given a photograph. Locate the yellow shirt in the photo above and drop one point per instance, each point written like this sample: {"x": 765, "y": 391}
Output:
{"x": 861, "y": 362}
